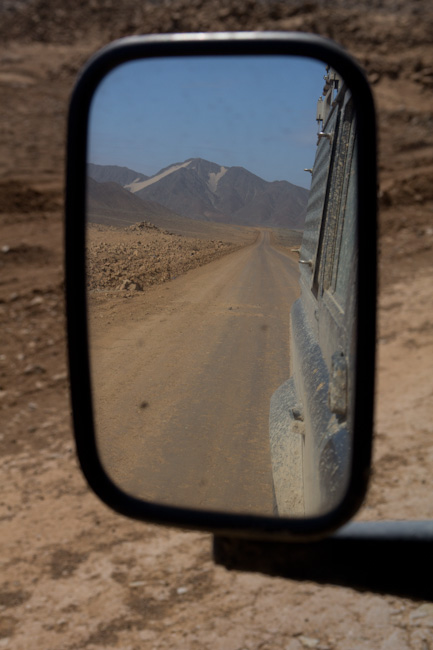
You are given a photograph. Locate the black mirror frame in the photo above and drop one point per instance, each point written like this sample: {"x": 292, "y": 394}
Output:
{"x": 242, "y": 43}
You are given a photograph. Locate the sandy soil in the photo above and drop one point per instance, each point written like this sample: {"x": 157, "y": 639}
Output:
{"x": 74, "y": 575}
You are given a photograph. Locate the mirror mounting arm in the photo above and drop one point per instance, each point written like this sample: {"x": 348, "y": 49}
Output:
{"x": 366, "y": 556}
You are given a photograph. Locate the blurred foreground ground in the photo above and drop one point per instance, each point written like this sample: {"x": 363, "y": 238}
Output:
{"x": 73, "y": 574}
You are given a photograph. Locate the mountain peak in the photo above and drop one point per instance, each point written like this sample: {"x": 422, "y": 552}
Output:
{"x": 141, "y": 185}
{"x": 201, "y": 189}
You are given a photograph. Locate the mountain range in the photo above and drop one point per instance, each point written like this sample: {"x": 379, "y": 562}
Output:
{"x": 120, "y": 175}
{"x": 203, "y": 190}
{"x": 110, "y": 204}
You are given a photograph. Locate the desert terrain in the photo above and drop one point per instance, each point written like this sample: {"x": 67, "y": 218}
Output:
{"x": 74, "y": 574}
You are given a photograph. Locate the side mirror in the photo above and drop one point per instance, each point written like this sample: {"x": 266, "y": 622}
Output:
{"x": 237, "y": 398}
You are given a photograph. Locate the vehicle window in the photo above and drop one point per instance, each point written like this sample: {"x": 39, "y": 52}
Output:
{"x": 341, "y": 277}
{"x": 337, "y": 194}
{"x": 338, "y": 204}
{"x": 317, "y": 201}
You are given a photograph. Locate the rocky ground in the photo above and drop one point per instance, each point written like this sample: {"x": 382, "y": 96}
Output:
{"x": 139, "y": 256}
{"x": 74, "y": 575}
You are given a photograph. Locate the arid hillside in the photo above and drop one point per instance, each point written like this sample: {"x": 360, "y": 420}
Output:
{"x": 74, "y": 575}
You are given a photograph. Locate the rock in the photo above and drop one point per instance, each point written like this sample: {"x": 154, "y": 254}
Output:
{"x": 308, "y": 642}
{"x": 423, "y": 615}
{"x": 37, "y": 300}
{"x": 34, "y": 370}
{"x": 61, "y": 376}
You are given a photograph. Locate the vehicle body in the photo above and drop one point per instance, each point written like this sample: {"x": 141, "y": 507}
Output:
{"x": 310, "y": 414}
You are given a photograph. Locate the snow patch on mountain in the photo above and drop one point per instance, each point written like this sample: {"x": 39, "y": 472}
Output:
{"x": 214, "y": 177}
{"x": 137, "y": 186}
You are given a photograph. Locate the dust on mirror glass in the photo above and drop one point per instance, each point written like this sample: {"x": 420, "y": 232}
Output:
{"x": 221, "y": 276}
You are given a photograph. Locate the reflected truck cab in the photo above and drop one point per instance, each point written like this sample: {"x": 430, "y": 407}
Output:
{"x": 310, "y": 413}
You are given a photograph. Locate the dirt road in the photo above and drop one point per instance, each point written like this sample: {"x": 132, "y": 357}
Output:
{"x": 183, "y": 377}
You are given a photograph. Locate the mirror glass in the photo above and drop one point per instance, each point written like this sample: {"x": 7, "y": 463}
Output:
{"x": 221, "y": 276}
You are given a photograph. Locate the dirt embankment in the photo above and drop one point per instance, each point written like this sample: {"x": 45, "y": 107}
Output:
{"x": 133, "y": 258}
{"x": 77, "y": 576}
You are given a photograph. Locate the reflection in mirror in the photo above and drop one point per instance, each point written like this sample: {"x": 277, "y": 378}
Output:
{"x": 221, "y": 252}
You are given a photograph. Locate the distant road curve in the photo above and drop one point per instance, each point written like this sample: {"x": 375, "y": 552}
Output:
{"x": 183, "y": 377}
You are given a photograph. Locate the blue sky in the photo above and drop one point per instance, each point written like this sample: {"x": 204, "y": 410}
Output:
{"x": 254, "y": 112}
